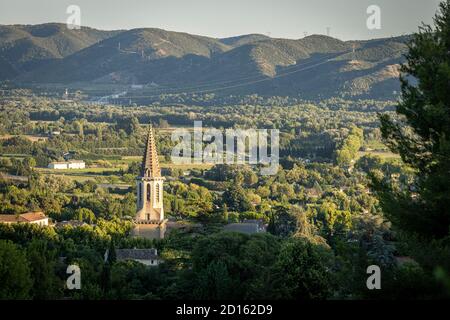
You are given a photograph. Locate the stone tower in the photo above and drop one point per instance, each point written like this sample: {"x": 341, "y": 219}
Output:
{"x": 150, "y": 186}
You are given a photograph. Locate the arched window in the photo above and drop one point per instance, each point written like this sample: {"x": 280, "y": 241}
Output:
{"x": 158, "y": 191}
{"x": 140, "y": 192}
{"x": 148, "y": 191}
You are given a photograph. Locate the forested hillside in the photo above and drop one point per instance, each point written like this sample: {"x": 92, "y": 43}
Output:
{"x": 173, "y": 62}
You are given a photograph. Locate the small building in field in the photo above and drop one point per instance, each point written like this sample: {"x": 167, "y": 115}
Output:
{"x": 38, "y": 218}
{"x": 148, "y": 257}
{"x": 76, "y": 164}
{"x": 57, "y": 165}
{"x": 63, "y": 165}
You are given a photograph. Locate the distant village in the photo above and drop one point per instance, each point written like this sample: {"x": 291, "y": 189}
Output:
{"x": 149, "y": 220}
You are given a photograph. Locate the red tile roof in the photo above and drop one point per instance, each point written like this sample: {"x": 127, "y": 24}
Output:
{"x": 25, "y": 217}
{"x": 9, "y": 218}
{"x": 33, "y": 216}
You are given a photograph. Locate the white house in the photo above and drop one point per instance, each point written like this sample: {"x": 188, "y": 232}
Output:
{"x": 76, "y": 164}
{"x": 72, "y": 164}
{"x": 58, "y": 165}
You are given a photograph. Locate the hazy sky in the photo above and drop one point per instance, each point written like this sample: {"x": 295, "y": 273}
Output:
{"x": 223, "y": 18}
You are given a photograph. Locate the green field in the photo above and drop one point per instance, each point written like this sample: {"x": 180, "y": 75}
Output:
{"x": 105, "y": 175}
{"x": 381, "y": 154}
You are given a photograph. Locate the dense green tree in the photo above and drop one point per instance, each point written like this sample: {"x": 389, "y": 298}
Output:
{"x": 15, "y": 278}
{"x": 233, "y": 265}
{"x": 84, "y": 214}
{"x": 350, "y": 147}
{"x": 236, "y": 199}
{"x": 303, "y": 271}
{"x": 282, "y": 222}
{"x": 421, "y": 135}
{"x": 214, "y": 283}
{"x": 43, "y": 266}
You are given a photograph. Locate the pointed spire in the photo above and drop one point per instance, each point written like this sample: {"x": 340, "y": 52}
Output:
{"x": 150, "y": 164}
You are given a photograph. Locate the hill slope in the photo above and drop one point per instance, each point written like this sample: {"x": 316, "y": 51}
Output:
{"x": 25, "y": 47}
{"x": 174, "y": 62}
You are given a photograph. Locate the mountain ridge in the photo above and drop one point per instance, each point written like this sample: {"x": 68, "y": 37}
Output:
{"x": 170, "y": 59}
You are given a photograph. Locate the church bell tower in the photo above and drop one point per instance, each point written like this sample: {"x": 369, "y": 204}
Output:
{"x": 150, "y": 186}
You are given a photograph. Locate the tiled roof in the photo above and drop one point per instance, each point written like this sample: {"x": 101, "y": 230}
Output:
{"x": 9, "y": 218}
{"x": 248, "y": 228}
{"x": 132, "y": 254}
{"x": 25, "y": 217}
{"x": 150, "y": 163}
{"x": 33, "y": 216}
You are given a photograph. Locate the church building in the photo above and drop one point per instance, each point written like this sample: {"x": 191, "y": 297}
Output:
{"x": 149, "y": 220}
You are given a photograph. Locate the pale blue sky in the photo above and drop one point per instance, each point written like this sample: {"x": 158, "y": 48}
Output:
{"x": 223, "y": 18}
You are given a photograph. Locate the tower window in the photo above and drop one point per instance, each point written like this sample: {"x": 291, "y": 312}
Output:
{"x": 148, "y": 191}
{"x": 158, "y": 191}
{"x": 140, "y": 192}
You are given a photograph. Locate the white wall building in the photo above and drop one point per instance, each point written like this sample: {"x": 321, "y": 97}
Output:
{"x": 76, "y": 164}
{"x": 58, "y": 165}
{"x": 73, "y": 164}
